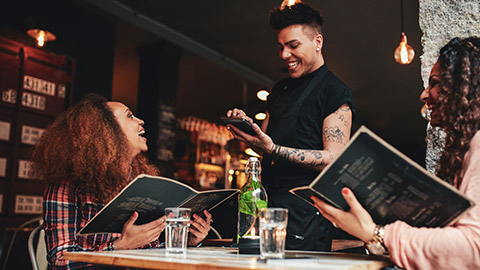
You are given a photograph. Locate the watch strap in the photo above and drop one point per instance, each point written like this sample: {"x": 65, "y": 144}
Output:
{"x": 376, "y": 246}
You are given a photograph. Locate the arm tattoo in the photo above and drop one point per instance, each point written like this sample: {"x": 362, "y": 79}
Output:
{"x": 344, "y": 108}
{"x": 341, "y": 117}
{"x": 300, "y": 156}
{"x": 333, "y": 134}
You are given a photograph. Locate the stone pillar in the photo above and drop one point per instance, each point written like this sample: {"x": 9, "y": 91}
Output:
{"x": 440, "y": 21}
{"x": 157, "y": 98}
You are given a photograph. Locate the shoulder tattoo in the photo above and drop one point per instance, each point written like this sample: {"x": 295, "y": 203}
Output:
{"x": 340, "y": 113}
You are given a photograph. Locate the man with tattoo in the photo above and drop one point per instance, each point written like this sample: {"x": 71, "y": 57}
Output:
{"x": 309, "y": 117}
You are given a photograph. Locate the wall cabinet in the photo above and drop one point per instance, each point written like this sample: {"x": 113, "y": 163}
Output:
{"x": 35, "y": 86}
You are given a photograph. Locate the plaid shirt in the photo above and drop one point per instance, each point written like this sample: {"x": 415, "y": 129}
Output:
{"x": 64, "y": 216}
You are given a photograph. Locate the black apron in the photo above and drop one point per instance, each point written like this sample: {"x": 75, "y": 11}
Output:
{"x": 307, "y": 229}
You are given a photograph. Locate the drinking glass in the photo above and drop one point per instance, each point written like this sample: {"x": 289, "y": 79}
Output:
{"x": 176, "y": 230}
{"x": 273, "y": 231}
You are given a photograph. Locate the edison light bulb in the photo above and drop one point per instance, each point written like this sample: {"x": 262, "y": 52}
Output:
{"x": 404, "y": 53}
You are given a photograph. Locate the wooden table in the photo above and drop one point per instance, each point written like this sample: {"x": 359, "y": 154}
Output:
{"x": 216, "y": 258}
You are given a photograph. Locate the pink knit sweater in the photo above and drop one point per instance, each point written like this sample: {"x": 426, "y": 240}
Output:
{"x": 456, "y": 246}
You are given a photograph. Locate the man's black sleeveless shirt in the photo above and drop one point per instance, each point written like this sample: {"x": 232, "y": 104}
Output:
{"x": 300, "y": 124}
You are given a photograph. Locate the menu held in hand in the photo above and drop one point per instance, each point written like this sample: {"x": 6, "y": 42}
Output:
{"x": 388, "y": 184}
{"x": 149, "y": 196}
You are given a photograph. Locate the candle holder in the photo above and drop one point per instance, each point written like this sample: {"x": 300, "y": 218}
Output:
{"x": 249, "y": 245}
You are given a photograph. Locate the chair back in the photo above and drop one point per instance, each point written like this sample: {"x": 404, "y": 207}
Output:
{"x": 12, "y": 240}
{"x": 37, "y": 249}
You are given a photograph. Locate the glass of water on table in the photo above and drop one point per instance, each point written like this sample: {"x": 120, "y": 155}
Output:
{"x": 273, "y": 231}
{"x": 176, "y": 230}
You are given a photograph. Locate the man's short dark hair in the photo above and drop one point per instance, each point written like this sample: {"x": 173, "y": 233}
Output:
{"x": 300, "y": 13}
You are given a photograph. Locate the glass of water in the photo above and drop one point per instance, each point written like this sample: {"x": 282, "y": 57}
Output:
{"x": 273, "y": 231}
{"x": 176, "y": 230}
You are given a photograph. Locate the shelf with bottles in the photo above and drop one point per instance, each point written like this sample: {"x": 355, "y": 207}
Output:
{"x": 211, "y": 153}
{"x": 202, "y": 145}
{"x": 236, "y": 176}
{"x": 209, "y": 176}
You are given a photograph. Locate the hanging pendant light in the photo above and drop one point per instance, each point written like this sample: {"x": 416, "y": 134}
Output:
{"x": 404, "y": 53}
{"x": 41, "y": 36}
{"x": 289, "y": 3}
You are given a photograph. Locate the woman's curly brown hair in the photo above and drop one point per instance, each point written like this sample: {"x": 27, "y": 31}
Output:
{"x": 86, "y": 148}
{"x": 458, "y": 103}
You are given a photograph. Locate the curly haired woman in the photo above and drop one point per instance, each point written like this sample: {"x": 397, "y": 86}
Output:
{"x": 453, "y": 96}
{"x": 87, "y": 155}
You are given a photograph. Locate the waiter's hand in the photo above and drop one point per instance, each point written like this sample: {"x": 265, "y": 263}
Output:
{"x": 260, "y": 142}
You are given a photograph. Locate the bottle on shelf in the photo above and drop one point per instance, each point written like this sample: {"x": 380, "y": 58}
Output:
{"x": 253, "y": 197}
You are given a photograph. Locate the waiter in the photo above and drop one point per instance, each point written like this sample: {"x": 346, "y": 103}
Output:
{"x": 308, "y": 123}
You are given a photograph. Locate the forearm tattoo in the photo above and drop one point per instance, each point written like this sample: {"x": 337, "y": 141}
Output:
{"x": 317, "y": 159}
{"x": 334, "y": 134}
{"x": 302, "y": 157}
{"x": 257, "y": 145}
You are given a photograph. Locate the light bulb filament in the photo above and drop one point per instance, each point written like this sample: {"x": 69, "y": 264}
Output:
{"x": 403, "y": 53}
{"x": 41, "y": 39}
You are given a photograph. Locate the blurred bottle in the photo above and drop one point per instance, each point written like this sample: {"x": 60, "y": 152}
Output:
{"x": 252, "y": 198}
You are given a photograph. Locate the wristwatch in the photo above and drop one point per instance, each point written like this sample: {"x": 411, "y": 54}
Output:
{"x": 376, "y": 245}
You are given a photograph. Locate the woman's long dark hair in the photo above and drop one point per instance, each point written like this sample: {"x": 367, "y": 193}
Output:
{"x": 86, "y": 148}
{"x": 459, "y": 103}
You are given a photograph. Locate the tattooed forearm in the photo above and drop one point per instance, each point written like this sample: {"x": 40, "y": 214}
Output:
{"x": 257, "y": 145}
{"x": 334, "y": 134}
{"x": 330, "y": 154}
{"x": 300, "y": 155}
{"x": 318, "y": 161}
{"x": 312, "y": 159}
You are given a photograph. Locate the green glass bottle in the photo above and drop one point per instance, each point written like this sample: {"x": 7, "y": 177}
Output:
{"x": 252, "y": 198}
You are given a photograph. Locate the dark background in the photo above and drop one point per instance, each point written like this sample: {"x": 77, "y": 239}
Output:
{"x": 359, "y": 40}
{"x": 360, "y": 37}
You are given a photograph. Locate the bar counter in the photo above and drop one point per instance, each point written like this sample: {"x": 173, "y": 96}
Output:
{"x": 221, "y": 258}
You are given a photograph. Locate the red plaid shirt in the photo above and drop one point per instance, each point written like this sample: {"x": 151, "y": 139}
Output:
{"x": 64, "y": 216}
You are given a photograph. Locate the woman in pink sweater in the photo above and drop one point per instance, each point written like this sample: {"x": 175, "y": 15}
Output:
{"x": 453, "y": 97}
